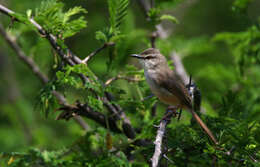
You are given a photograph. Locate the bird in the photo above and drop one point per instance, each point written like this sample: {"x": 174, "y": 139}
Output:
{"x": 166, "y": 86}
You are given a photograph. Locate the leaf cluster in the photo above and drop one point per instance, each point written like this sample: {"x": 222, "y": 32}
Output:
{"x": 117, "y": 12}
{"x": 62, "y": 24}
{"x": 245, "y": 46}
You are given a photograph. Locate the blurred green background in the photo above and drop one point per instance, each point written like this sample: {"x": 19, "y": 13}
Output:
{"x": 213, "y": 64}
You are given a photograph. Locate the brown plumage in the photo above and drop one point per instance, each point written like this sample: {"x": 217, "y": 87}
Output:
{"x": 165, "y": 85}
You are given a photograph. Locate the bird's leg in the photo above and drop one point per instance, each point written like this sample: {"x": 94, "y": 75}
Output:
{"x": 170, "y": 111}
{"x": 179, "y": 114}
{"x": 148, "y": 97}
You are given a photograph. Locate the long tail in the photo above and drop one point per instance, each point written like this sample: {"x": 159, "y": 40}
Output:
{"x": 204, "y": 127}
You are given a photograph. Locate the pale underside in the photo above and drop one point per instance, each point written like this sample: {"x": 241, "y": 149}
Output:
{"x": 167, "y": 95}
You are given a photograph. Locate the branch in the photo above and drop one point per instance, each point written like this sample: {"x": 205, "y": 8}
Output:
{"x": 179, "y": 68}
{"x": 87, "y": 111}
{"x": 72, "y": 60}
{"x": 158, "y": 152}
{"x": 27, "y": 60}
{"x": 6, "y": 11}
{"x": 96, "y": 52}
{"x": 109, "y": 81}
{"x": 36, "y": 70}
{"x": 119, "y": 113}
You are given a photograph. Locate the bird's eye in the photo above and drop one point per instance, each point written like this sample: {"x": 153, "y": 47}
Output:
{"x": 150, "y": 56}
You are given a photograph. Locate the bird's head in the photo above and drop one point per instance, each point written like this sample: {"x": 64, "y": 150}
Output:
{"x": 150, "y": 58}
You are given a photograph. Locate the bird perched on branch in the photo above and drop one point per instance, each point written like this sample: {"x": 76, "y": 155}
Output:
{"x": 166, "y": 86}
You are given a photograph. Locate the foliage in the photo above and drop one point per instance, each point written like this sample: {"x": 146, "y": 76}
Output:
{"x": 241, "y": 5}
{"x": 50, "y": 14}
{"x": 223, "y": 60}
{"x": 155, "y": 18}
{"x": 117, "y": 12}
{"x": 245, "y": 46}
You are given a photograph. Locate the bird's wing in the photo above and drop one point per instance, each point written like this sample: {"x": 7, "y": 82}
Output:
{"x": 176, "y": 87}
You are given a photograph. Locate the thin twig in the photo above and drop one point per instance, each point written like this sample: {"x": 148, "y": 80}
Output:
{"x": 109, "y": 81}
{"x": 27, "y": 60}
{"x": 36, "y": 70}
{"x": 153, "y": 38}
{"x": 96, "y": 52}
{"x": 168, "y": 159}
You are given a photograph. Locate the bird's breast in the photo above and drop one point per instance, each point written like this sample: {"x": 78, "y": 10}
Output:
{"x": 163, "y": 94}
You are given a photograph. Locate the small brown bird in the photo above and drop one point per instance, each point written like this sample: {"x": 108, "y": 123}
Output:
{"x": 165, "y": 85}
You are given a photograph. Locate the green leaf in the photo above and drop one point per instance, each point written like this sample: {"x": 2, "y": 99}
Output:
{"x": 96, "y": 104}
{"x": 169, "y": 17}
{"x": 101, "y": 36}
{"x": 241, "y": 5}
{"x": 73, "y": 11}
{"x": 29, "y": 13}
{"x": 46, "y": 102}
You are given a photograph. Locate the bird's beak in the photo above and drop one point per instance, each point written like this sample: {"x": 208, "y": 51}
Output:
{"x": 137, "y": 56}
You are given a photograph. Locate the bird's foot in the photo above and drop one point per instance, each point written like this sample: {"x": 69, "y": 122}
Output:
{"x": 170, "y": 112}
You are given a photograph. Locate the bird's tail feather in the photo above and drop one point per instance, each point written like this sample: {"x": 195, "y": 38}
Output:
{"x": 204, "y": 127}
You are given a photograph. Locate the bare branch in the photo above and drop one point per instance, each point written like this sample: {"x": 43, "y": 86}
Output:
{"x": 109, "y": 81}
{"x": 27, "y": 60}
{"x": 158, "y": 152}
{"x": 179, "y": 68}
{"x": 96, "y": 52}
{"x": 6, "y": 11}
